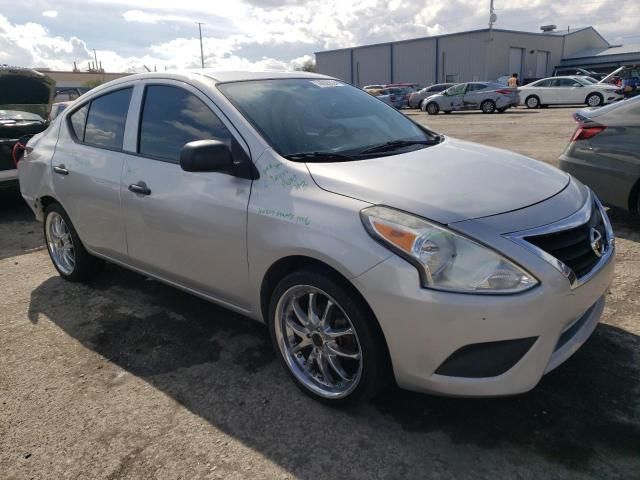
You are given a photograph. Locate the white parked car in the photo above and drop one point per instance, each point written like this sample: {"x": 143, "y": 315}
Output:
{"x": 568, "y": 91}
{"x": 375, "y": 249}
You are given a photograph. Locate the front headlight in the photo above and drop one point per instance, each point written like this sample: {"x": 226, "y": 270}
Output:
{"x": 445, "y": 260}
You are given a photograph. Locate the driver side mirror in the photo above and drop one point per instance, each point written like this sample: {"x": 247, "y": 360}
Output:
{"x": 206, "y": 156}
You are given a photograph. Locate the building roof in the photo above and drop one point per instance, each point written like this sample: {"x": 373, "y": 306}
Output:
{"x": 600, "y": 52}
{"x": 500, "y": 30}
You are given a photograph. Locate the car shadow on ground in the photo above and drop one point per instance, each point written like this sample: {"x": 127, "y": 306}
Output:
{"x": 220, "y": 366}
{"x": 625, "y": 224}
{"x": 21, "y": 233}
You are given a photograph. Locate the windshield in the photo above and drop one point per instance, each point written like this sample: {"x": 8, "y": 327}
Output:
{"x": 304, "y": 116}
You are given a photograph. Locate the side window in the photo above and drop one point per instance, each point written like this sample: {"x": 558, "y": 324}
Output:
{"x": 543, "y": 83}
{"x": 78, "y": 119}
{"x": 106, "y": 119}
{"x": 456, "y": 90}
{"x": 565, "y": 82}
{"x": 474, "y": 87}
{"x": 173, "y": 117}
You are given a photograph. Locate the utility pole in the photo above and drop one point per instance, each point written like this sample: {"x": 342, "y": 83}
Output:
{"x": 201, "y": 50}
{"x": 488, "y": 43}
{"x": 95, "y": 57}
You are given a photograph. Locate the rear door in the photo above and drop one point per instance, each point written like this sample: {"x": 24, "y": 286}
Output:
{"x": 188, "y": 227}
{"x": 474, "y": 95}
{"x": 87, "y": 167}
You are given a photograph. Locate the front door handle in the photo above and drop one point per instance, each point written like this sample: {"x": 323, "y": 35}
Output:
{"x": 140, "y": 188}
{"x": 61, "y": 169}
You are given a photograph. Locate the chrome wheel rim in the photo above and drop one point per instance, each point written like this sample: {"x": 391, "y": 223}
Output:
{"x": 532, "y": 102}
{"x": 318, "y": 342}
{"x": 431, "y": 108}
{"x": 594, "y": 101}
{"x": 487, "y": 107}
{"x": 60, "y": 243}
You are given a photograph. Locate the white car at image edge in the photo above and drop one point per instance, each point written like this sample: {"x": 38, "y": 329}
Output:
{"x": 573, "y": 90}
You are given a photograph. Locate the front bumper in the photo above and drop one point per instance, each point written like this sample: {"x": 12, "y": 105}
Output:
{"x": 424, "y": 328}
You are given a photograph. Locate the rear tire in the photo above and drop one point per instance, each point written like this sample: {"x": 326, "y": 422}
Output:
{"x": 68, "y": 255}
{"x": 432, "y": 108}
{"x": 532, "y": 102}
{"x": 488, "y": 106}
{"x": 346, "y": 328}
{"x": 594, "y": 100}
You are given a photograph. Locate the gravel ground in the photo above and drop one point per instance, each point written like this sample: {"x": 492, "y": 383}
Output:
{"x": 128, "y": 378}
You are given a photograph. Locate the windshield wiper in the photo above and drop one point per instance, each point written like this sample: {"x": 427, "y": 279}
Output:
{"x": 319, "y": 157}
{"x": 395, "y": 144}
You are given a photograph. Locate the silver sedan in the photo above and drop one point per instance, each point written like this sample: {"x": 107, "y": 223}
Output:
{"x": 375, "y": 250}
{"x": 484, "y": 96}
{"x": 604, "y": 152}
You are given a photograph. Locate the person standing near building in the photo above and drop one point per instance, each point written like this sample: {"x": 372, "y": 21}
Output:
{"x": 513, "y": 81}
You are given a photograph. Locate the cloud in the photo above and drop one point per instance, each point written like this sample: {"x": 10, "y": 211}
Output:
{"x": 147, "y": 17}
{"x": 261, "y": 34}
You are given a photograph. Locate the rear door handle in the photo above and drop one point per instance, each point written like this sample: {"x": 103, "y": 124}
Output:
{"x": 140, "y": 188}
{"x": 61, "y": 169}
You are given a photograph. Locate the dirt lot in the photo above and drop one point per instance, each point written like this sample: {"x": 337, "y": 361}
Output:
{"x": 128, "y": 378}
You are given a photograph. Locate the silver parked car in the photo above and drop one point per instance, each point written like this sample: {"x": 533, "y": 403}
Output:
{"x": 484, "y": 96}
{"x": 604, "y": 153}
{"x": 375, "y": 249}
{"x": 416, "y": 98}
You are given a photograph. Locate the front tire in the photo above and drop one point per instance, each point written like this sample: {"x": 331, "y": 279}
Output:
{"x": 326, "y": 338}
{"x": 532, "y": 102}
{"x": 594, "y": 100}
{"x": 69, "y": 257}
{"x": 432, "y": 108}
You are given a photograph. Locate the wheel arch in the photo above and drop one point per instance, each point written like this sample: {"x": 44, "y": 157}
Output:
{"x": 586, "y": 99}
{"x": 634, "y": 196}
{"x": 286, "y": 265}
{"x": 531, "y": 95}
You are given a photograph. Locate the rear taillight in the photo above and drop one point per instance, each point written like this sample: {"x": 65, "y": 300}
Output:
{"x": 505, "y": 91}
{"x": 584, "y": 132}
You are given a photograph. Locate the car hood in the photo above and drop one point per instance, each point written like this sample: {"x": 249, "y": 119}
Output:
{"x": 449, "y": 182}
{"x": 15, "y": 116}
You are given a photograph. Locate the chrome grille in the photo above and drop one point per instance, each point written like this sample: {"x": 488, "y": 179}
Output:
{"x": 573, "y": 246}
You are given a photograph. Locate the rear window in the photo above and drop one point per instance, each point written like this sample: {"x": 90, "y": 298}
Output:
{"x": 107, "y": 118}
{"x": 78, "y": 119}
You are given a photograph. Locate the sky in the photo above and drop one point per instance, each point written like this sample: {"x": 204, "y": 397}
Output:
{"x": 264, "y": 34}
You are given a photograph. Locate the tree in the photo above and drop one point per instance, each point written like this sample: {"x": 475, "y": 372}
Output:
{"x": 307, "y": 66}
{"x": 93, "y": 83}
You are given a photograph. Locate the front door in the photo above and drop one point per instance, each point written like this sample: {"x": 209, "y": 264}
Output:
{"x": 474, "y": 95}
{"x": 87, "y": 168}
{"x": 455, "y": 95}
{"x": 185, "y": 227}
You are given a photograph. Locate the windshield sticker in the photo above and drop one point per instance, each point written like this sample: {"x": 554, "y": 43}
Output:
{"x": 327, "y": 83}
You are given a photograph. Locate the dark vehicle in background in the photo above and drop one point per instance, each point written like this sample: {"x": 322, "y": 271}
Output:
{"x": 577, "y": 71}
{"x": 487, "y": 97}
{"x": 627, "y": 78}
{"x": 25, "y": 101}
{"x": 416, "y": 98}
{"x": 395, "y": 96}
{"x": 604, "y": 153}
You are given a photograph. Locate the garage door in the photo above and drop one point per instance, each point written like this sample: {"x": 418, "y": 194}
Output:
{"x": 542, "y": 60}
{"x": 515, "y": 61}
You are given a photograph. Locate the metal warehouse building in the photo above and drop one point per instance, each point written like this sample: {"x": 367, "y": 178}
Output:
{"x": 474, "y": 55}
